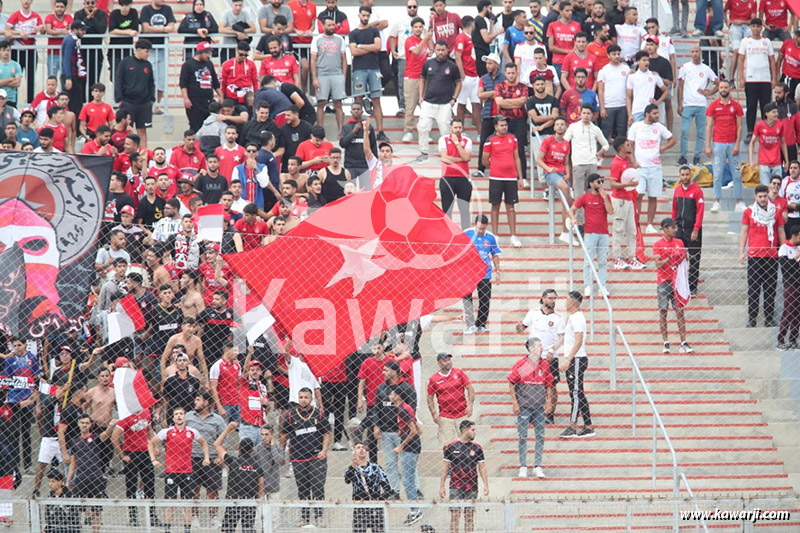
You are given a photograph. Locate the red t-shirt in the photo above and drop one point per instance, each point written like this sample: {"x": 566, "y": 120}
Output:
{"x": 304, "y": 16}
{"x": 618, "y": 166}
{"x": 229, "y": 159}
{"x": 170, "y": 170}
{"x": 25, "y": 23}
{"x": 92, "y": 147}
{"x": 59, "y": 134}
{"x": 601, "y": 51}
{"x": 555, "y": 153}
{"x": 725, "y": 118}
{"x": 674, "y": 249}
{"x": 741, "y": 9}
{"x": 96, "y": 115}
{"x": 563, "y": 36}
{"x": 572, "y": 62}
{"x": 776, "y": 13}
{"x": 758, "y": 243}
{"x": 594, "y": 210}
{"x": 508, "y": 91}
{"x": 252, "y": 235}
{"x": 450, "y": 391}
{"x": 414, "y": 62}
{"x": 769, "y": 142}
{"x": 446, "y": 29}
{"x": 226, "y": 374}
{"x": 56, "y": 24}
{"x": 206, "y": 272}
{"x": 501, "y": 151}
{"x": 465, "y": 47}
{"x": 372, "y": 372}
{"x": 178, "y": 442}
{"x": 529, "y": 372}
{"x": 250, "y": 395}
{"x": 459, "y": 169}
{"x": 135, "y": 431}
{"x": 791, "y": 58}
{"x": 307, "y": 151}
{"x": 282, "y": 69}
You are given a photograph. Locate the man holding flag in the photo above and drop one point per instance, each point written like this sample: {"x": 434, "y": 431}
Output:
{"x": 669, "y": 253}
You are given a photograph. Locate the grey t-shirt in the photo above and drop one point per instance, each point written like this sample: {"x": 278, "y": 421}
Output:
{"x": 329, "y": 54}
{"x": 210, "y": 427}
{"x": 266, "y": 12}
{"x": 230, "y": 19}
{"x": 531, "y": 395}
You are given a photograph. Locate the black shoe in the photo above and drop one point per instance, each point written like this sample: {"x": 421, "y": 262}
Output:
{"x": 35, "y": 494}
{"x": 381, "y": 137}
{"x": 751, "y": 323}
{"x": 550, "y": 419}
{"x": 586, "y": 432}
{"x": 682, "y": 161}
{"x": 329, "y": 110}
{"x": 420, "y": 496}
{"x": 749, "y": 137}
{"x": 696, "y": 160}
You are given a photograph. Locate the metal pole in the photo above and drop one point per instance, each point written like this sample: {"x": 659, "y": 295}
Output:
{"x": 551, "y": 207}
{"x": 591, "y": 309}
{"x": 655, "y": 448}
{"x": 571, "y": 258}
{"x": 612, "y": 352}
{"x": 633, "y": 403}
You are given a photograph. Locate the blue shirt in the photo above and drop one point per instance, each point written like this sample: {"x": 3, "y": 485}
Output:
{"x": 487, "y": 248}
{"x": 12, "y": 69}
{"x": 513, "y": 37}
{"x": 488, "y": 83}
{"x": 26, "y": 366}
{"x": 28, "y": 136}
{"x": 588, "y": 96}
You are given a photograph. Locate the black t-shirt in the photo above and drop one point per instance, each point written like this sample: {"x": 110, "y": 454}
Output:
{"x": 61, "y": 375}
{"x": 440, "y": 80}
{"x": 180, "y": 392}
{"x": 158, "y": 18}
{"x": 590, "y": 27}
{"x": 216, "y": 330}
{"x": 663, "y": 68}
{"x": 543, "y": 107}
{"x": 211, "y": 189}
{"x": 147, "y": 302}
{"x": 118, "y": 21}
{"x": 365, "y": 36}
{"x": 199, "y": 79}
{"x": 115, "y": 201}
{"x": 89, "y": 452}
{"x": 166, "y": 322}
{"x": 406, "y": 416}
{"x": 69, "y": 417}
{"x": 243, "y": 474}
{"x": 463, "y": 458}
{"x": 286, "y": 41}
{"x": 151, "y": 213}
{"x": 305, "y": 431}
{"x": 307, "y": 112}
{"x": 386, "y": 418}
{"x": 294, "y": 135}
{"x": 481, "y": 46}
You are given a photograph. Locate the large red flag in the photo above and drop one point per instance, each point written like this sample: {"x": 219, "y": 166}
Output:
{"x": 360, "y": 265}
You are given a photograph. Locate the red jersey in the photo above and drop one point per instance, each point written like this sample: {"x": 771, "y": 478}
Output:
{"x": 741, "y": 9}
{"x": 307, "y": 151}
{"x": 282, "y": 69}
{"x": 206, "y": 271}
{"x": 226, "y": 375}
{"x": 118, "y": 138}
{"x": 527, "y": 372}
{"x": 726, "y": 117}
{"x": 95, "y": 115}
{"x": 791, "y": 58}
{"x": 184, "y": 160}
{"x": 675, "y": 250}
{"x": 563, "y": 36}
{"x": 135, "y": 431}
{"x": 601, "y": 52}
{"x": 758, "y": 241}
{"x": 572, "y": 61}
{"x": 304, "y": 15}
{"x": 229, "y": 159}
{"x": 371, "y": 372}
{"x": 170, "y": 170}
{"x": 465, "y": 47}
{"x": 776, "y": 13}
{"x": 461, "y": 168}
{"x": 446, "y": 29}
{"x": 450, "y": 391}
{"x": 501, "y": 150}
{"x": 250, "y": 396}
{"x": 252, "y": 235}
{"x": 237, "y": 79}
{"x": 122, "y": 163}
{"x": 555, "y": 153}
{"x": 56, "y": 24}
{"x": 414, "y": 61}
{"x": 26, "y": 24}
{"x": 92, "y": 148}
{"x": 508, "y": 91}
{"x": 618, "y": 166}
{"x": 594, "y": 209}
{"x": 769, "y": 142}
{"x": 59, "y": 135}
{"x": 178, "y": 443}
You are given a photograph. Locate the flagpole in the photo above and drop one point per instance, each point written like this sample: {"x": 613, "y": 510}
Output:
{"x": 69, "y": 383}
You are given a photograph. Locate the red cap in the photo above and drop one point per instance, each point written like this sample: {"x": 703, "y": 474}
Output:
{"x": 121, "y": 362}
{"x": 188, "y": 178}
{"x": 127, "y": 210}
{"x": 203, "y": 46}
{"x": 256, "y": 363}
{"x": 213, "y": 246}
{"x": 651, "y": 38}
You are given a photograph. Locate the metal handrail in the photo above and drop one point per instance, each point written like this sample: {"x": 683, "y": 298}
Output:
{"x": 612, "y": 341}
{"x": 696, "y": 506}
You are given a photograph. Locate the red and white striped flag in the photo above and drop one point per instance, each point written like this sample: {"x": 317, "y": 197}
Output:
{"x": 46, "y": 388}
{"x": 126, "y": 320}
{"x": 209, "y": 222}
{"x": 680, "y": 285}
{"x": 131, "y": 391}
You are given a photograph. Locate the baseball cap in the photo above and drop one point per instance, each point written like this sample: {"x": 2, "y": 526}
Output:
{"x": 120, "y": 362}
{"x": 127, "y": 210}
{"x": 213, "y": 246}
{"x": 491, "y": 57}
{"x": 55, "y": 473}
{"x": 27, "y": 111}
{"x": 256, "y": 363}
{"x": 651, "y": 38}
{"x": 78, "y": 25}
{"x": 203, "y": 46}
{"x": 393, "y": 365}
{"x": 443, "y": 355}
{"x": 666, "y": 222}
{"x": 3, "y": 93}
{"x": 188, "y": 178}
{"x": 66, "y": 348}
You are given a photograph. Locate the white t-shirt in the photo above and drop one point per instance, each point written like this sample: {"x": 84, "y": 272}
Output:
{"x": 576, "y": 323}
{"x": 300, "y": 376}
{"x": 791, "y": 191}
{"x": 666, "y": 47}
{"x": 545, "y": 327}
{"x": 374, "y": 17}
{"x": 402, "y": 31}
{"x": 695, "y": 77}
{"x": 527, "y": 63}
{"x": 647, "y": 141}
{"x": 644, "y": 86}
{"x": 629, "y": 39}
{"x": 756, "y": 59}
{"x": 615, "y": 81}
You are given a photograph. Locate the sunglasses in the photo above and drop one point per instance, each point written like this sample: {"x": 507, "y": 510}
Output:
{"x": 251, "y": 151}
{"x": 411, "y": 7}
{"x": 529, "y": 32}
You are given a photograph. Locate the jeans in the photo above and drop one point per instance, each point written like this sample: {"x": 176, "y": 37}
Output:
{"x": 390, "y": 441}
{"x": 700, "y": 19}
{"x": 685, "y": 14}
{"x": 401, "y": 74}
{"x": 408, "y": 465}
{"x": 596, "y": 243}
{"x": 766, "y": 172}
{"x": 526, "y": 417}
{"x": 233, "y": 414}
{"x": 698, "y": 114}
{"x": 53, "y": 63}
{"x": 616, "y": 122}
{"x": 723, "y": 154}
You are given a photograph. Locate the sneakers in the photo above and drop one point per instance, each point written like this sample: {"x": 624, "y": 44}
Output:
{"x": 381, "y": 137}
{"x": 740, "y": 207}
{"x": 422, "y": 158}
{"x": 568, "y": 433}
{"x": 587, "y": 291}
{"x": 478, "y": 174}
{"x": 470, "y": 330}
{"x": 782, "y": 346}
{"x": 586, "y": 432}
{"x": 515, "y": 242}
{"x": 686, "y": 348}
{"x": 408, "y": 137}
{"x": 355, "y": 421}
{"x": 366, "y": 104}
{"x": 539, "y": 472}
{"x": 412, "y": 518}
{"x": 697, "y": 33}
{"x": 523, "y": 471}
{"x": 526, "y": 184}
{"x": 719, "y": 33}
{"x": 481, "y": 329}
{"x": 308, "y": 526}
{"x": 682, "y": 161}
{"x": 715, "y": 207}
{"x": 619, "y": 264}
{"x": 696, "y": 160}
{"x": 634, "y": 264}
{"x": 675, "y": 31}
{"x": 564, "y": 237}
{"x": 289, "y": 472}
{"x": 546, "y": 193}
{"x": 728, "y": 185}
{"x": 651, "y": 229}
{"x": 550, "y": 419}
{"x": 338, "y": 447}
{"x": 666, "y": 348}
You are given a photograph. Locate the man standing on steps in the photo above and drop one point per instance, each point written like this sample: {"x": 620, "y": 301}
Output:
{"x": 724, "y": 127}
{"x": 529, "y": 382}
{"x": 596, "y": 205}
{"x": 687, "y": 212}
{"x": 500, "y": 154}
{"x": 439, "y": 88}
{"x": 756, "y": 72}
{"x": 693, "y": 89}
{"x": 486, "y": 85}
{"x": 365, "y": 46}
{"x": 510, "y": 97}
{"x": 463, "y": 461}
{"x": 668, "y": 254}
{"x": 449, "y": 386}
{"x": 574, "y": 365}
{"x": 762, "y": 233}
{"x": 455, "y": 150}
{"x": 486, "y": 244}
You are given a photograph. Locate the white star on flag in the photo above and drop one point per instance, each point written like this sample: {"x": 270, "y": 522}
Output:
{"x": 358, "y": 265}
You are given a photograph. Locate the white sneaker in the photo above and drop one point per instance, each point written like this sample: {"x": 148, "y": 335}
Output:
{"x": 719, "y": 33}
{"x": 408, "y": 137}
{"x": 697, "y": 33}
{"x": 634, "y": 264}
{"x": 526, "y": 184}
{"x": 619, "y": 264}
{"x": 715, "y": 207}
{"x": 290, "y": 472}
{"x": 729, "y": 185}
{"x": 523, "y": 471}
{"x": 478, "y": 139}
{"x": 470, "y": 330}
{"x": 539, "y": 472}
{"x": 338, "y": 447}
{"x": 355, "y": 421}
{"x": 515, "y": 242}
{"x": 308, "y": 526}
{"x": 651, "y": 229}
{"x": 740, "y": 207}
{"x": 564, "y": 237}
{"x": 587, "y": 291}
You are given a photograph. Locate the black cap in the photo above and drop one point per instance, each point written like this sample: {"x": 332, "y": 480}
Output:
{"x": 78, "y": 25}
{"x": 668, "y": 222}
{"x": 443, "y": 355}
{"x": 393, "y": 365}
{"x": 55, "y": 473}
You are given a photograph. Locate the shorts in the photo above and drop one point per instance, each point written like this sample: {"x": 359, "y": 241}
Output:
{"x": 141, "y": 114}
{"x": 554, "y": 371}
{"x": 209, "y": 476}
{"x": 638, "y": 117}
{"x": 302, "y": 53}
{"x": 666, "y": 294}
{"x": 503, "y": 189}
{"x": 280, "y": 394}
{"x": 469, "y": 91}
{"x": 651, "y": 181}
{"x": 49, "y": 449}
{"x": 232, "y": 413}
{"x": 367, "y": 82}
{"x": 461, "y": 494}
{"x": 175, "y": 482}
{"x": 331, "y": 87}
{"x": 553, "y": 178}
{"x": 89, "y": 488}
{"x": 737, "y": 32}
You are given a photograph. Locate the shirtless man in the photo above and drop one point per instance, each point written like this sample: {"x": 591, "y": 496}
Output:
{"x": 293, "y": 167}
{"x": 100, "y": 400}
{"x": 172, "y": 369}
{"x": 194, "y": 348}
{"x": 289, "y": 219}
{"x": 69, "y": 121}
{"x": 192, "y": 302}
{"x": 158, "y": 274}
